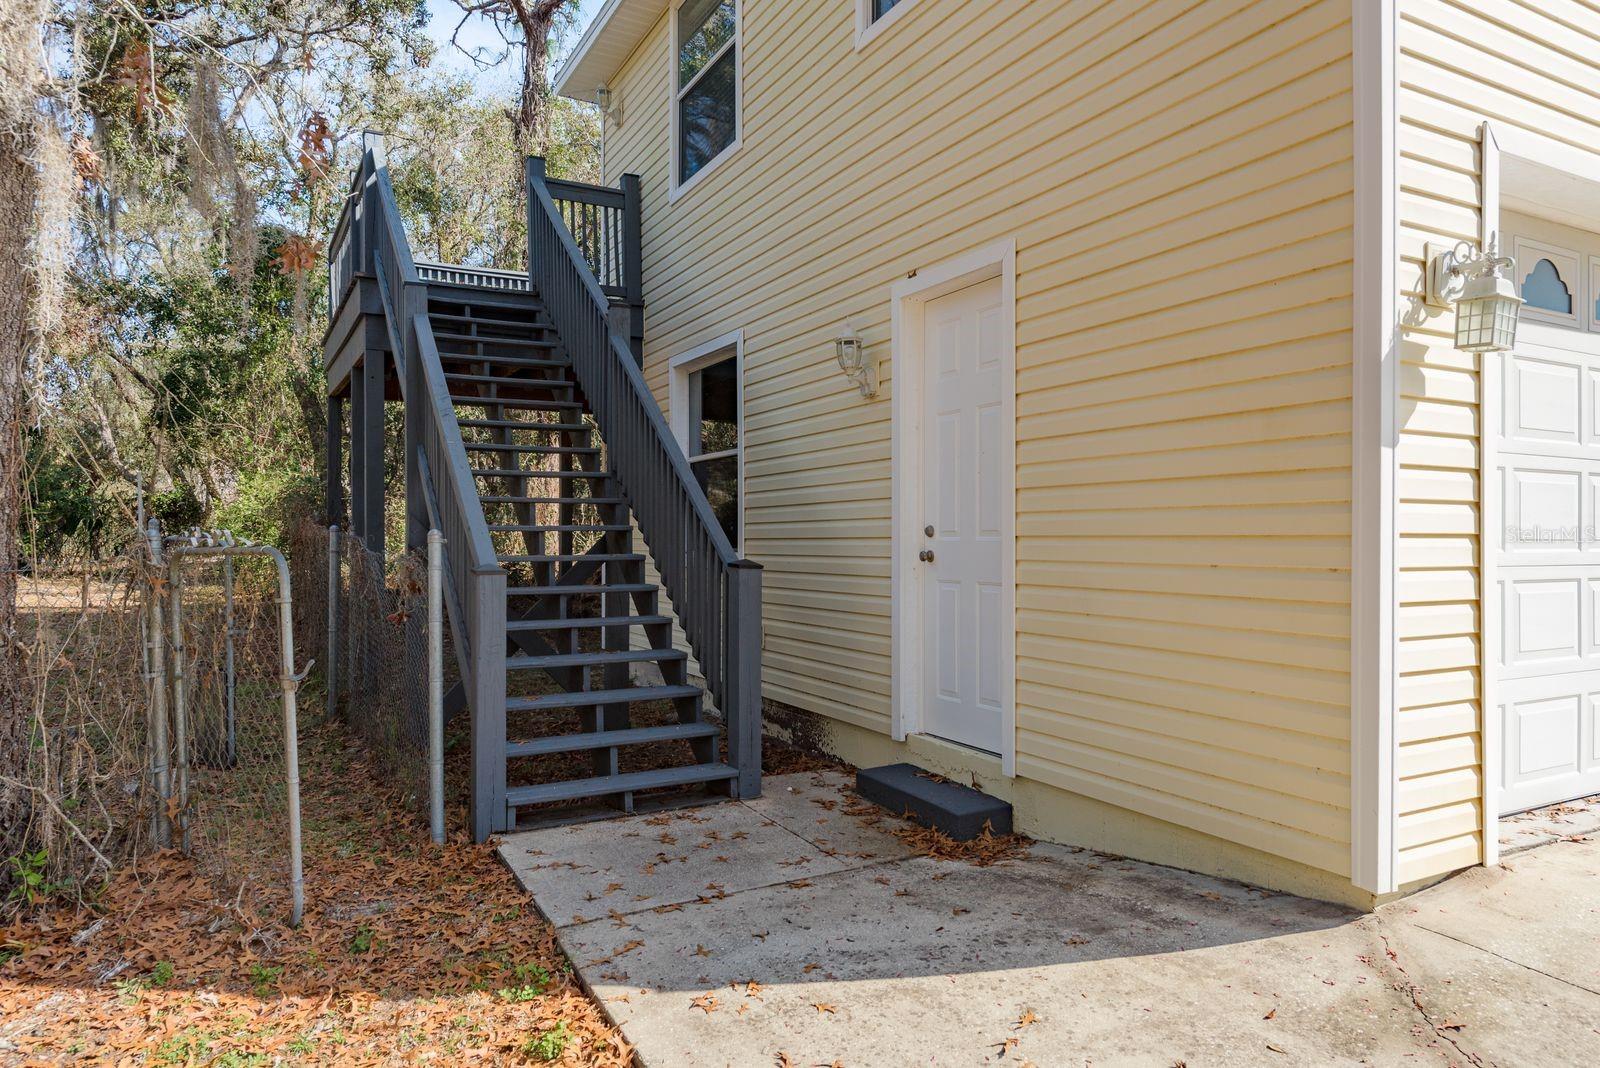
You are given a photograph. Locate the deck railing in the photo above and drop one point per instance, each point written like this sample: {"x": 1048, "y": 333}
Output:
{"x": 440, "y": 488}
{"x": 717, "y": 595}
{"x": 479, "y": 277}
{"x": 604, "y": 224}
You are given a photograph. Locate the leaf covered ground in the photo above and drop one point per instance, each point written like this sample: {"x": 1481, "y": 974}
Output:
{"x": 409, "y": 952}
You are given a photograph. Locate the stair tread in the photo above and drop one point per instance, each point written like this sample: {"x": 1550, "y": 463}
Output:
{"x": 612, "y": 784}
{"x": 507, "y": 380}
{"x": 483, "y": 320}
{"x": 569, "y": 743}
{"x": 514, "y": 402}
{"x": 595, "y": 621}
{"x": 481, "y": 339}
{"x": 586, "y": 698}
{"x": 554, "y": 450}
{"x": 526, "y": 424}
{"x": 556, "y": 528}
{"x": 577, "y": 590}
{"x": 500, "y": 498}
{"x": 594, "y": 659}
{"x": 529, "y": 472}
{"x": 570, "y": 558}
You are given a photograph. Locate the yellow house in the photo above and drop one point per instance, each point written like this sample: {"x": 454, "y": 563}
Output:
{"x": 1074, "y": 379}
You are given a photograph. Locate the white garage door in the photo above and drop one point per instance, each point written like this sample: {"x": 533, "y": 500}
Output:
{"x": 1547, "y": 437}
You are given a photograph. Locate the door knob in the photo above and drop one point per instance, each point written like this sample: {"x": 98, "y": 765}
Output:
{"x": 926, "y": 556}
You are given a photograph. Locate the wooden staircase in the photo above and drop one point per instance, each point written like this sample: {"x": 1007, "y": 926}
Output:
{"x": 582, "y": 614}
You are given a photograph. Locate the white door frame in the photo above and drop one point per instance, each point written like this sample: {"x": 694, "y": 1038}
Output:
{"x": 907, "y": 299}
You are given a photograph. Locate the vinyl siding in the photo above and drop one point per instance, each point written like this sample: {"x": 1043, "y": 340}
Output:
{"x": 1177, "y": 178}
{"x": 1532, "y": 66}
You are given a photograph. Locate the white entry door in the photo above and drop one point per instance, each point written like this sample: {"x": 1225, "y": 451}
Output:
{"x": 1547, "y": 556}
{"x": 964, "y": 489}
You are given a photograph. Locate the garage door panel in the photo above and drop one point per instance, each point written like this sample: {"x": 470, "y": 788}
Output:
{"x": 1548, "y": 731}
{"x": 1546, "y": 547}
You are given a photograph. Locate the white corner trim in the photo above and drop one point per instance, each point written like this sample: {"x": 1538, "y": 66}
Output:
{"x": 868, "y": 30}
{"x": 679, "y": 368}
{"x": 1374, "y": 355}
{"x": 1489, "y": 622}
{"x": 906, "y": 300}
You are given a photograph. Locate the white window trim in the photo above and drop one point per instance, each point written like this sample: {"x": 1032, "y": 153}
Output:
{"x": 907, "y": 353}
{"x": 867, "y": 30}
{"x": 679, "y": 368}
{"x": 676, "y": 189}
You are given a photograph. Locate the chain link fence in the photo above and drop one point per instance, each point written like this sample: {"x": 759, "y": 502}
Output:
{"x": 234, "y": 717}
{"x": 377, "y": 675}
{"x": 84, "y": 675}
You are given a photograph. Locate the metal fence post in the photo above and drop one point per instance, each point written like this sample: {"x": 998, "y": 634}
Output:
{"x": 436, "y": 686}
{"x": 230, "y": 752}
{"x": 180, "y": 708}
{"x": 332, "y": 671}
{"x": 290, "y": 682}
{"x": 155, "y": 589}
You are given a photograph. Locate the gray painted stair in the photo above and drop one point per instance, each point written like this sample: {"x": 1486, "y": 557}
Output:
{"x": 577, "y": 595}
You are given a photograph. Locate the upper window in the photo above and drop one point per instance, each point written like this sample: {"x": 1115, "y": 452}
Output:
{"x": 875, "y": 16}
{"x": 706, "y": 83}
{"x": 707, "y": 410}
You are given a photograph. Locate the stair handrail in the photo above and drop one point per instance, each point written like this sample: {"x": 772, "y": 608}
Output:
{"x": 715, "y": 592}
{"x": 441, "y": 488}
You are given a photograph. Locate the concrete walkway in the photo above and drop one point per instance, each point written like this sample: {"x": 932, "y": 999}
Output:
{"x": 787, "y": 931}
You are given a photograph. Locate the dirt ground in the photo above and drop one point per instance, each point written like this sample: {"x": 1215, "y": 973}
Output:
{"x": 408, "y": 952}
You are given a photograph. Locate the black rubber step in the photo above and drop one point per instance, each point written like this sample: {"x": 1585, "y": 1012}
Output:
{"x": 582, "y": 624}
{"x": 573, "y": 743}
{"x": 595, "y": 659}
{"x": 618, "y": 784}
{"x": 591, "y": 698}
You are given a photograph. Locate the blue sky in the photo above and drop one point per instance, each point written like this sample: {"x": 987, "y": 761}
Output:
{"x": 479, "y": 34}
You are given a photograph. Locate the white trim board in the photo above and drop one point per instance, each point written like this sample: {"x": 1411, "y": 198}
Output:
{"x": 1375, "y": 354}
{"x": 679, "y": 368}
{"x": 907, "y": 298}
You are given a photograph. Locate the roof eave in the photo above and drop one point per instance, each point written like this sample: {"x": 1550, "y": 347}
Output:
{"x": 610, "y": 39}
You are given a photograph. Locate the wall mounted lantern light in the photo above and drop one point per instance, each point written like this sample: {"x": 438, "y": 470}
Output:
{"x": 1478, "y": 282}
{"x": 609, "y": 104}
{"x": 851, "y": 352}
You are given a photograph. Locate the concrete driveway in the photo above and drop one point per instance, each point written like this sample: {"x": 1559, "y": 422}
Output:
{"x": 790, "y": 931}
